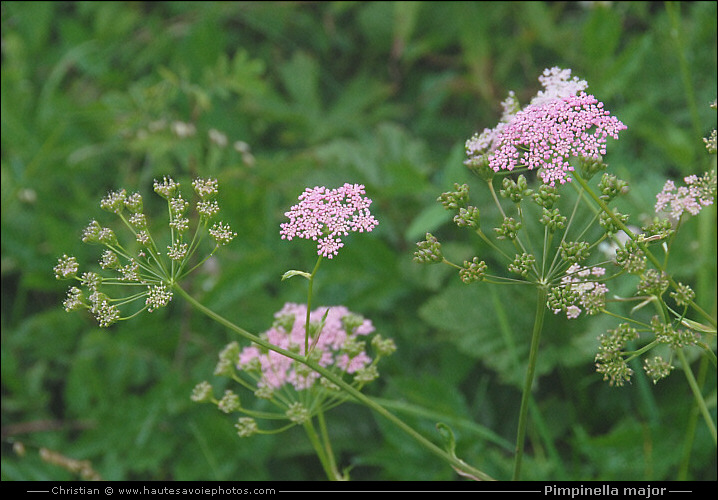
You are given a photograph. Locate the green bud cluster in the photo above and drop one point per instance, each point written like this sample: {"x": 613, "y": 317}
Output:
{"x": 683, "y": 295}
{"x": 657, "y": 368}
{"x": 653, "y": 283}
{"x": 631, "y": 258}
{"x": 710, "y": 142}
{"x": 616, "y": 371}
{"x": 429, "y": 251}
{"x": 227, "y": 360}
{"x": 574, "y": 252}
{"x": 202, "y": 393}
{"x": 546, "y": 196}
{"x": 114, "y": 202}
{"x": 609, "y": 224}
{"x": 284, "y": 321}
{"x": 676, "y": 338}
{"x": 588, "y": 166}
{"x": 229, "y": 402}
{"x": 366, "y": 374}
{"x": 473, "y": 271}
{"x": 246, "y": 427}
{"x": 467, "y": 217}
{"x": 453, "y": 200}
{"x": 612, "y": 187}
{"x": 508, "y": 230}
{"x": 609, "y": 360}
{"x": 480, "y": 166}
{"x": 515, "y": 190}
{"x": 552, "y": 219}
{"x": 352, "y": 346}
{"x": 560, "y": 298}
{"x": 522, "y": 264}
{"x": 659, "y": 229}
{"x": 91, "y": 233}
{"x": 382, "y": 346}
{"x": 298, "y": 413}
{"x": 351, "y": 322}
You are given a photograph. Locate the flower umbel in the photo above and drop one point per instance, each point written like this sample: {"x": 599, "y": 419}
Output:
{"x": 146, "y": 274}
{"x": 698, "y": 192}
{"x": 325, "y": 215}
{"x": 338, "y": 344}
{"x": 545, "y": 136}
{"x": 562, "y": 121}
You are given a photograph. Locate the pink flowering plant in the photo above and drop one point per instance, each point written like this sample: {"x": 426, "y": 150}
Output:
{"x": 557, "y": 230}
{"x": 298, "y": 394}
{"x": 325, "y": 216}
{"x": 308, "y": 362}
{"x": 586, "y": 244}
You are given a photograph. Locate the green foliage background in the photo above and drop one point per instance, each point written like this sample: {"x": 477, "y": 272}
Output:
{"x": 378, "y": 93}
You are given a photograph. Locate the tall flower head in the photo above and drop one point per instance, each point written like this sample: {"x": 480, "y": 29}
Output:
{"x": 325, "y": 215}
{"x": 546, "y": 135}
{"x": 561, "y": 121}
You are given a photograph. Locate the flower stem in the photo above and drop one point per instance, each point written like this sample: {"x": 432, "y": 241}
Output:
{"x": 328, "y": 445}
{"x": 327, "y": 462}
{"x": 691, "y": 427}
{"x": 458, "y": 464}
{"x": 528, "y": 383}
{"x": 697, "y": 394}
{"x": 309, "y": 305}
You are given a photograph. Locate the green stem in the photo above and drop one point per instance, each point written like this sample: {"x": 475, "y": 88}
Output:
{"x": 528, "y": 384}
{"x": 309, "y": 305}
{"x": 697, "y": 394}
{"x": 327, "y": 445}
{"x": 326, "y": 462}
{"x": 691, "y": 427}
{"x": 455, "y": 462}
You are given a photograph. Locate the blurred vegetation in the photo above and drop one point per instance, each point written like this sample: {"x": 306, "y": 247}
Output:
{"x": 98, "y": 96}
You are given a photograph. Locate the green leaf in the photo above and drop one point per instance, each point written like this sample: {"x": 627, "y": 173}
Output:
{"x": 448, "y": 435}
{"x": 293, "y": 273}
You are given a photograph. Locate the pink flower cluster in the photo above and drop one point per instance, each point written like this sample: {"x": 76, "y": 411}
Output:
{"x": 560, "y": 121}
{"x": 288, "y": 332}
{"x": 324, "y": 215}
{"x": 544, "y": 136}
{"x": 696, "y": 194}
